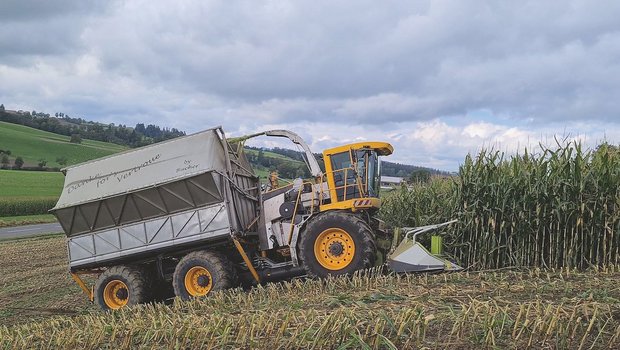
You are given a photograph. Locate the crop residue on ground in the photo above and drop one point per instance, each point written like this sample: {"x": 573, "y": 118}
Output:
{"x": 535, "y": 308}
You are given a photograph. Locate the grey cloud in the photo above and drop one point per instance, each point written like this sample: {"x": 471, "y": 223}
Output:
{"x": 45, "y": 28}
{"x": 245, "y": 64}
{"x": 36, "y": 11}
{"x": 20, "y": 41}
{"x": 441, "y": 58}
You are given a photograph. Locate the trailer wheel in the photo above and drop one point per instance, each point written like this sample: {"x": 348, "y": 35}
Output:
{"x": 337, "y": 243}
{"x": 201, "y": 272}
{"x": 121, "y": 286}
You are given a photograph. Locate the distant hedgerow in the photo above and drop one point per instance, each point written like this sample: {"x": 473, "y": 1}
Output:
{"x": 26, "y": 205}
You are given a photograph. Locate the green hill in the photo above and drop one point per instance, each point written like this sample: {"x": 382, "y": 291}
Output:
{"x": 33, "y": 145}
{"x": 269, "y": 154}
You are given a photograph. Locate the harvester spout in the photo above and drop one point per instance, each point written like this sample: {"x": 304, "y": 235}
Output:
{"x": 310, "y": 160}
{"x": 411, "y": 256}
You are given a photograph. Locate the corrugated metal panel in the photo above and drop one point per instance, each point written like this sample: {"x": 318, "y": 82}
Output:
{"x": 143, "y": 167}
{"x": 203, "y": 224}
{"x": 193, "y": 192}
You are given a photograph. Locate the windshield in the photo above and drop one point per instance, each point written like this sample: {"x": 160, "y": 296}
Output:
{"x": 357, "y": 179}
{"x": 345, "y": 177}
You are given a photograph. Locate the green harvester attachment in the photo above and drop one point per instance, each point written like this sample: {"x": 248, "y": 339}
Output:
{"x": 411, "y": 256}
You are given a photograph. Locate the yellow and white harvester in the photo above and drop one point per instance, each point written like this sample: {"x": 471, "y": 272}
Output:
{"x": 189, "y": 216}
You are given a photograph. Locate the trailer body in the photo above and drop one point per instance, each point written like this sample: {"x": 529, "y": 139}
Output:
{"x": 160, "y": 198}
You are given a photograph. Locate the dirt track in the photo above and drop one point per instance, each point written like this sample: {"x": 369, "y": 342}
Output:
{"x": 34, "y": 281}
{"x": 29, "y": 230}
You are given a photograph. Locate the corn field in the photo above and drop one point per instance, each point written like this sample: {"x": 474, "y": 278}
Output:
{"x": 16, "y": 206}
{"x": 559, "y": 207}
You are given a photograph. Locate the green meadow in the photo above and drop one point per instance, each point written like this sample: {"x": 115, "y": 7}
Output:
{"x": 32, "y": 145}
{"x": 18, "y": 183}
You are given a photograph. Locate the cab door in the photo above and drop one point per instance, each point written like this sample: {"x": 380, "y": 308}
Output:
{"x": 342, "y": 176}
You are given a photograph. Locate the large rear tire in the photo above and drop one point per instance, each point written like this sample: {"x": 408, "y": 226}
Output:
{"x": 121, "y": 286}
{"x": 337, "y": 243}
{"x": 202, "y": 272}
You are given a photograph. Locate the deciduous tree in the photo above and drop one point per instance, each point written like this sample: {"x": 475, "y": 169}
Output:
{"x": 19, "y": 162}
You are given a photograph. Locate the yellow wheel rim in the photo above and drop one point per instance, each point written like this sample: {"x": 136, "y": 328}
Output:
{"x": 115, "y": 294}
{"x": 198, "y": 281}
{"x": 334, "y": 249}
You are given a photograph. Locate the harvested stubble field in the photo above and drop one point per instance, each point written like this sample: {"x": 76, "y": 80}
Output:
{"x": 40, "y": 307}
{"x": 34, "y": 280}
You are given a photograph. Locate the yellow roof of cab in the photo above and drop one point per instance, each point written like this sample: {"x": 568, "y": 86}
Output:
{"x": 382, "y": 148}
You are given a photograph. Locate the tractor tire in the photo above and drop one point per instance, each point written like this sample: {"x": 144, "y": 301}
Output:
{"x": 201, "y": 272}
{"x": 337, "y": 243}
{"x": 121, "y": 286}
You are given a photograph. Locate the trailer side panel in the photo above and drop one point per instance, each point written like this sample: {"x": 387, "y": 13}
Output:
{"x": 199, "y": 225}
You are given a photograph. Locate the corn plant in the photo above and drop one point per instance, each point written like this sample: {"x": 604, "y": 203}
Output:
{"x": 558, "y": 207}
{"x": 16, "y": 206}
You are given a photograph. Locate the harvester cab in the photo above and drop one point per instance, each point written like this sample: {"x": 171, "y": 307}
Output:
{"x": 352, "y": 174}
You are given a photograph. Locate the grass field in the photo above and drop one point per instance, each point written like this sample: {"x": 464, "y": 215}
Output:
{"x": 262, "y": 172}
{"x": 32, "y": 144}
{"x": 15, "y": 183}
{"x": 41, "y": 307}
{"x": 271, "y": 155}
{"x": 34, "y": 192}
{"x": 26, "y": 220}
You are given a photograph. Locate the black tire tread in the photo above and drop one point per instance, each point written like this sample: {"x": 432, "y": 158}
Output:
{"x": 136, "y": 279}
{"x": 367, "y": 241}
{"x": 222, "y": 266}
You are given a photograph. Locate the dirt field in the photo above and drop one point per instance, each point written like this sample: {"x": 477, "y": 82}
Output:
{"x": 34, "y": 281}
{"x": 40, "y": 306}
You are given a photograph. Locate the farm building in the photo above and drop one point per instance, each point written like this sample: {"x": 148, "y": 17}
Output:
{"x": 390, "y": 182}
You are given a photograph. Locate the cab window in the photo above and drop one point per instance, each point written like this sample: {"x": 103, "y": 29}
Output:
{"x": 344, "y": 176}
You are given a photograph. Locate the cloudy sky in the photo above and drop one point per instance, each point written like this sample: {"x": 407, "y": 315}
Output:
{"x": 437, "y": 79}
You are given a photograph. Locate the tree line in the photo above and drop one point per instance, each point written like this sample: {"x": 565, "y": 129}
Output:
{"x": 288, "y": 169}
{"x": 142, "y": 135}
{"x": 78, "y": 128}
